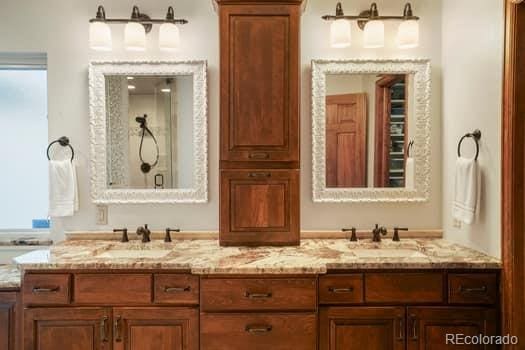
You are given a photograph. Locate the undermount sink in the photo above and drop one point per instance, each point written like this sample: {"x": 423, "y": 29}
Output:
{"x": 134, "y": 254}
{"x": 388, "y": 253}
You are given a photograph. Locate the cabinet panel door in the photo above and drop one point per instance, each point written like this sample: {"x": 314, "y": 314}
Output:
{"x": 259, "y": 82}
{"x": 67, "y": 329}
{"x": 258, "y": 331}
{"x": 259, "y": 206}
{"x": 428, "y": 327}
{"x": 156, "y": 329}
{"x": 371, "y": 328}
{"x": 7, "y": 320}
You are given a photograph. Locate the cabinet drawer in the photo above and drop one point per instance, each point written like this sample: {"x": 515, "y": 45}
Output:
{"x": 257, "y": 294}
{"x": 46, "y": 289}
{"x": 341, "y": 289}
{"x": 259, "y": 207}
{"x": 424, "y": 287}
{"x": 472, "y": 288}
{"x": 258, "y": 331}
{"x": 105, "y": 289}
{"x": 176, "y": 289}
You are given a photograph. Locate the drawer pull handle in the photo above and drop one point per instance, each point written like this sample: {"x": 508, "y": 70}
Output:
{"x": 258, "y": 329}
{"x": 259, "y": 155}
{"x": 259, "y": 175}
{"x": 468, "y": 290}
{"x": 177, "y": 289}
{"x": 258, "y": 295}
{"x": 401, "y": 324}
{"x": 103, "y": 333}
{"x": 45, "y": 290}
{"x": 118, "y": 329}
{"x": 341, "y": 290}
{"x": 413, "y": 319}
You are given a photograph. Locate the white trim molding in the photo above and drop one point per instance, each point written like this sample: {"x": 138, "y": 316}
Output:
{"x": 421, "y": 153}
{"x": 100, "y": 192}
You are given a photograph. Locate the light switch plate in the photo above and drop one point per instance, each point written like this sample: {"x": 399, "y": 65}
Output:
{"x": 102, "y": 214}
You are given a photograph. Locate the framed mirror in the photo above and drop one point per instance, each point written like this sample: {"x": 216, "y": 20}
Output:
{"x": 148, "y": 132}
{"x": 371, "y": 130}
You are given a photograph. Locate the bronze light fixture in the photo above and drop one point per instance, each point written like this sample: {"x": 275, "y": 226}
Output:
{"x": 137, "y": 26}
{"x": 372, "y": 23}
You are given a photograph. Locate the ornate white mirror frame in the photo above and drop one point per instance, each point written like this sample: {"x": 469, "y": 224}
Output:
{"x": 100, "y": 192}
{"x": 422, "y": 87}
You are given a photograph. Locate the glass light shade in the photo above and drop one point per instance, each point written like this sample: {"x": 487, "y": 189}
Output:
{"x": 169, "y": 37}
{"x": 408, "y": 34}
{"x": 135, "y": 37}
{"x": 340, "y": 33}
{"x": 374, "y": 36}
{"x": 99, "y": 36}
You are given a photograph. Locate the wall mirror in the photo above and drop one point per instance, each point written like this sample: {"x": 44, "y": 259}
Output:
{"x": 371, "y": 130}
{"x": 148, "y": 132}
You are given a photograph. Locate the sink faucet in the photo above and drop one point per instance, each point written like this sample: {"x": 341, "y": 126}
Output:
{"x": 377, "y": 232}
{"x": 145, "y": 233}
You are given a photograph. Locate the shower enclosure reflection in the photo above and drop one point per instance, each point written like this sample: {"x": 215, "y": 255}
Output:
{"x": 149, "y": 131}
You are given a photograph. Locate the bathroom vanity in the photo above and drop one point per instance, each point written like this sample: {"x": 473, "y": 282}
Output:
{"x": 198, "y": 295}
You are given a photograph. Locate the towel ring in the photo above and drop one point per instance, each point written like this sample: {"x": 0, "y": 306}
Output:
{"x": 476, "y": 135}
{"x": 64, "y": 142}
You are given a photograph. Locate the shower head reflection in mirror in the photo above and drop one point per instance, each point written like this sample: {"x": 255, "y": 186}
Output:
{"x": 154, "y": 116}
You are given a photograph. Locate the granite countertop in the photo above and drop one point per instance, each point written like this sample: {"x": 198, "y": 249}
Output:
{"x": 313, "y": 256}
{"x": 9, "y": 277}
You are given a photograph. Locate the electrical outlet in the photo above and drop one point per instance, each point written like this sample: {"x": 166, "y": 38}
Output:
{"x": 102, "y": 214}
{"x": 456, "y": 223}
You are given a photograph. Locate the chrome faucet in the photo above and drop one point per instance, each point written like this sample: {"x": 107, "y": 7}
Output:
{"x": 145, "y": 233}
{"x": 377, "y": 232}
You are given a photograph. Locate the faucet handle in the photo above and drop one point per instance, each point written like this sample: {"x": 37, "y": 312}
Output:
{"x": 353, "y": 238}
{"x": 396, "y": 233}
{"x": 124, "y": 231}
{"x": 168, "y": 236}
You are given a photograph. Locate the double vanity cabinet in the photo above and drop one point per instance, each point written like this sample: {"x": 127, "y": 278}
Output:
{"x": 340, "y": 310}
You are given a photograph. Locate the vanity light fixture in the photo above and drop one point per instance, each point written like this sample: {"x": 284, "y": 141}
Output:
{"x": 135, "y": 31}
{"x": 374, "y": 28}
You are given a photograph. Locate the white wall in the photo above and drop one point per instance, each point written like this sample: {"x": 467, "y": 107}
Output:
{"x": 65, "y": 38}
{"x": 472, "y": 93}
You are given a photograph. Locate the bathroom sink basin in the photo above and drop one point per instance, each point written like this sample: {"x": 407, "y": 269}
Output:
{"x": 388, "y": 253}
{"x": 134, "y": 254}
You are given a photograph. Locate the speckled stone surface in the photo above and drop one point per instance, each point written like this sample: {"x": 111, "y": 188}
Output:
{"x": 9, "y": 277}
{"x": 313, "y": 256}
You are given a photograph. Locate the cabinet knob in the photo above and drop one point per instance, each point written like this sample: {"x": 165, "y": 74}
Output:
{"x": 341, "y": 290}
{"x": 258, "y": 328}
{"x": 257, "y": 295}
{"x": 259, "y": 155}
{"x": 46, "y": 289}
{"x": 103, "y": 333}
{"x": 177, "y": 289}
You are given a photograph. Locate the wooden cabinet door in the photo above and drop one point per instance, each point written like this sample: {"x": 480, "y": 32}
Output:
{"x": 370, "y": 328}
{"x": 428, "y": 327}
{"x": 259, "y": 82}
{"x": 7, "y": 320}
{"x": 156, "y": 329}
{"x": 346, "y": 151}
{"x": 67, "y": 329}
{"x": 259, "y": 207}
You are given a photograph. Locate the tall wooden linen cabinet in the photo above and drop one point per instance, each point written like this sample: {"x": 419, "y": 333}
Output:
{"x": 259, "y": 136}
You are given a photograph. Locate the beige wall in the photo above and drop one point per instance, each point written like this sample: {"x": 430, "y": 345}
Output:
{"x": 36, "y": 27}
{"x": 472, "y": 93}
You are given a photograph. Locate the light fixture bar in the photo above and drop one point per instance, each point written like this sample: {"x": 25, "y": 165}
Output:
{"x": 137, "y": 17}
{"x": 368, "y": 15}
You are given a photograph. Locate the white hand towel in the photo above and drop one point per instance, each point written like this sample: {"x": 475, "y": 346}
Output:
{"x": 63, "y": 192}
{"x": 410, "y": 173}
{"x": 466, "y": 190}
